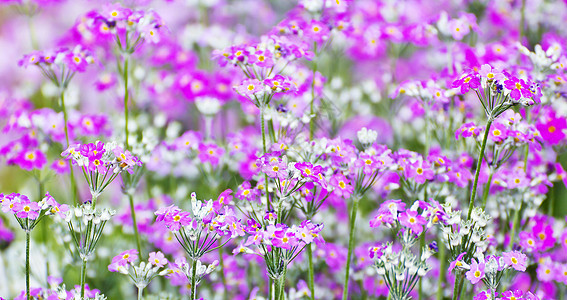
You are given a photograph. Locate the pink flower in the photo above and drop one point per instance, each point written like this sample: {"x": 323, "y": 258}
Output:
{"x": 552, "y": 129}
{"x": 342, "y": 186}
{"x": 125, "y": 257}
{"x": 516, "y": 260}
{"x": 27, "y": 209}
{"x": 412, "y": 220}
{"x": 490, "y": 73}
{"x": 476, "y": 272}
{"x": 250, "y": 88}
{"x": 467, "y": 82}
{"x": 157, "y": 259}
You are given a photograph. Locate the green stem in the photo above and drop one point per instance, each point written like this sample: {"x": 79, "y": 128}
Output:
{"x": 83, "y": 277}
{"x": 458, "y": 287}
{"x": 125, "y": 77}
{"x": 442, "y": 261}
{"x": 140, "y": 292}
{"x": 270, "y": 288}
{"x": 515, "y": 225}
{"x": 276, "y": 289}
{"x": 550, "y": 204}
{"x": 32, "y": 33}
{"x": 262, "y": 110}
{"x": 136, "y": 234}
{"x": 350, "y": 245}
{"x": 478, "y": 166}
{"x": 28, "y": 263}
{"x": 281, "y": 296}
{"x": 194, "y": 281}
{"x": 223, "y": 277}
{"x": 73, "y": 183}
{"x": 487, "y": 189}
{"x": 310, "y": 281}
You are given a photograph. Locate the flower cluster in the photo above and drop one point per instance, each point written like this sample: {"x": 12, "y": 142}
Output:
{"x": 101, "y": 163}
{"x": 29, "y": 213}
{"x": 86, "y": 224}
{"x": 59, "y": 65}
{"x": 129, "y": 28}
{"x": 143, "y": 273}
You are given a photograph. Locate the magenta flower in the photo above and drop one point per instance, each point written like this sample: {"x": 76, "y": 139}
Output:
{"x": 420, "y": 171}
{"x": 457, "y": 262}
{"x": 518, "y": 88}
{"x": 176, "y": 220}
{"x": 467, "y": 82}
{"x": 250, "y": 88}
{"x": 467, "y": 130}
{"x": 498, "y": 132}
{"x": 125, "y": 257}
{"x": 27, "y": 209}
{"x": 211, "y": 153}
{"x": 412, "y": 220}
{"x": 553, "y": 129}
{"x": 31, "y": 159}
{"x": 516, "y": 260}
{"x": 308, "y": 170}
{"x": 512, "y": 295}
{"x": 342, "y": 186}
{"x": 476, "y": 271}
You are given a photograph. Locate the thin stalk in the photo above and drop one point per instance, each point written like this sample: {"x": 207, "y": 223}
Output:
{"x": 33, "y": 38}
{"x": 458, "y": 287}
{"x": 28, "y": 263}
{"x": 350, "y": 245}
{"x": 270, "y": 288}
{"x": 478, "y": 166}
{"x": 487, "y": 189}
{"x": 551, "y": 205}
{"x": 223, "y": 277}
{"x": 281, "y": 296}
{"x": 125, "y": 77}
{"x": 442, "y": 261}
{"x": 310, "y": 281}
{"x": 515, "y": 225}
{"x": 136, "y": 233}
{"x": 262, "y": 109}
{"x": 73, "y": 183}
{"x": 194, "y": 281}
{"x": 140, "y": 292}
{"x": 83, "y": 277}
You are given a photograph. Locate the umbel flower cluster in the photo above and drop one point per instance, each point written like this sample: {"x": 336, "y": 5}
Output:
{"x": 283, "y": 150}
